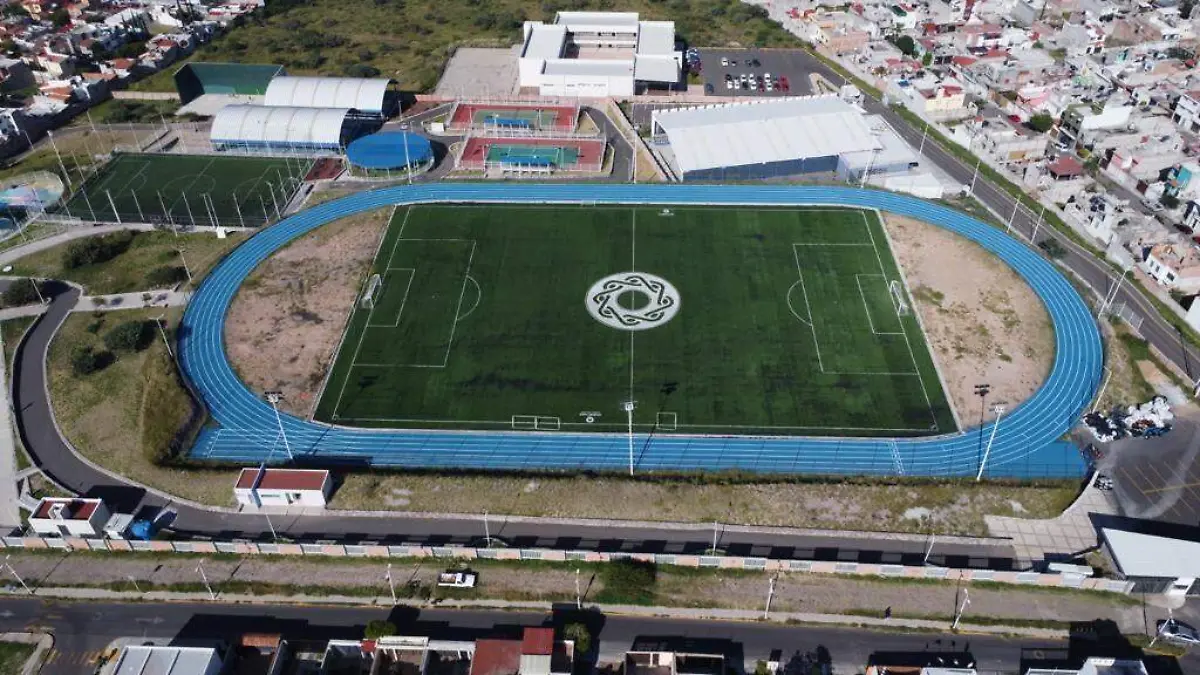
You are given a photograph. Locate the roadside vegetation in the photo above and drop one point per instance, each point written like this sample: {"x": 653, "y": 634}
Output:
{"x": 13, "y": 656}
{"x": 128, "y": 261}
{"x": 411, "y": 41}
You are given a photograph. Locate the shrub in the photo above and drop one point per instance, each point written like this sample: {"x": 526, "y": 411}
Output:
{"x": 167, "y": 275}
{"x": 1053, "y": 248}
{"x": 93, "y": 250}
{"x": 1041, "y": 122}
{"x": 85, "y": 360}
{"x": 378, "y": 628}
{"x": 131, "y": 336}
{"x": 361, "y": 70}
{"x": 20, "y": 292}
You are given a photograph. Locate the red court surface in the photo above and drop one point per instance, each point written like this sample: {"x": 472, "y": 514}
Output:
{"x": 591, "y": 151}
{"x": 471, "y": 115}
{"x": 324, "y": 169}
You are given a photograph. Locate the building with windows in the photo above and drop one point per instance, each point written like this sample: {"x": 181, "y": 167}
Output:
{"x": 598, "y": 54}
{"x": 283, "y": 487}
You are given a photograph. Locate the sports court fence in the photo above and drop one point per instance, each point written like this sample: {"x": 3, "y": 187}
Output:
{"x": 525, "y": 155}
{"x": 513, "y": 117}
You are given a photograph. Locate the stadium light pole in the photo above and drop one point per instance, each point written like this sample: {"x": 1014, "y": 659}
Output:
{"x": 1011, "y": 218}
{"x": 186, "y": 270}
{"x": 113, "y": 206}
{"x": 1038, "y": 224}
{"x": 628, "y": 406}
{"x": 999, "y": 410}
{"x": 136, "y": 203}
{"x": 273, "y": 398}
{"x": 158, "y": 321}
{"x": 975, "y": 177}
{"x": 50, "y": 135}
{"x": 37, "y": 289}
{"x": 981, "y": 390}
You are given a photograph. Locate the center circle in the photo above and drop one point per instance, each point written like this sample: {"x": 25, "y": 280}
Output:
{"x": 632, "y": 301}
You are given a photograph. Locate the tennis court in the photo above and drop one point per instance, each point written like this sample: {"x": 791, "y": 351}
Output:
{"x": 559, "y": 154}
{"x": 532, "y": 154}
{"x": 513, "y": 117}
{"x": 195, "y": 190}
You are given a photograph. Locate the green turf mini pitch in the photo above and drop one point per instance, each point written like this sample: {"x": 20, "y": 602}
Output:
{"x": 188, "y": 189}
{"x": 787, "y": 323}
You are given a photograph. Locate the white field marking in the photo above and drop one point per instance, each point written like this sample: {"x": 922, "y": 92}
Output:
{"x": 867, "y": 307}
{"x": 350, "y": 319}
{"x": 912, "y": 355}
{"x": 458, "y": 309}
{"x": 551, "y": 423}
{"x": 791, "y": 308}
{"x": 666, "y": 421}
{"x": 632, "y": 267}
{"x": 137, "y": 174}
{"x": 518, "y": 421}
{"x": 370, "y": 312}
{"x": 863, "y": 244}
{"x": 478, "y": 297}
{"x": 412, "y": 273}
{"x": 808, "y": 308}
{"x": 254, "y": 188}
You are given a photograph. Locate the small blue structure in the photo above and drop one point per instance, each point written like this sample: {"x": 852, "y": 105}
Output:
{"x": 389, "y": 150}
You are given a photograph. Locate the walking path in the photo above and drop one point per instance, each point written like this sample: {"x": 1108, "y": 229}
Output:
{"x": 10, "y": 512}
{"x": 135, "y": 300}
{"x": 23, "y": 311}
{"x": 1067, "y": 536}
{"x": 17, "y": 252}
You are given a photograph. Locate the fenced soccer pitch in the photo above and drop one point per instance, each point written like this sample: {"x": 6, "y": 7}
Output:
{"x": 196, "y": 190}
{"x": 785, "y": 321}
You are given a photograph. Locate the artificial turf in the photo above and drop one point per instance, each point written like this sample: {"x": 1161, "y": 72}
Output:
{"x": 188, "y": 189}
{"x": 785, "y": 326}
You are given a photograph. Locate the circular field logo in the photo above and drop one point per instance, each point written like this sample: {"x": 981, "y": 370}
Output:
{"x": 632, "y": 301}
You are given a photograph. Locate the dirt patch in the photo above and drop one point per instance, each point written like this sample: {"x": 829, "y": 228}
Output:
{"x": 983, "y": 322}
{"x": 285, "y": 323}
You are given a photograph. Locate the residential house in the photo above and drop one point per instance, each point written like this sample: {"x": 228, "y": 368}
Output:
{"x": 1078, "y": 123}
{"x": 15, "y": 74}
{"x": 1065, "y": 167}
{"x": 674, "y": 656}
{"x": 1191, "y": 217}
{"x": 1175, "y": 266}
{"x": 56, "y": 66}
{"x": 536, "y": 653}
{"x": 1187, "y": 111}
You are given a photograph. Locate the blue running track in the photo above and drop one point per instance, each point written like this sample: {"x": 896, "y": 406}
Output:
{"x": 1026, "y": 445}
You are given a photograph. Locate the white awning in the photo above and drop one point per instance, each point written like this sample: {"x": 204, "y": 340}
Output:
{"x": 282, "y": 126}
{"x": 356, "y": 93}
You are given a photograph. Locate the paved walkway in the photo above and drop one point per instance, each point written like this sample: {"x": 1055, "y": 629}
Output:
{"x": 12, "y": 254}
{"x": 136, "y": 300}
{"x": 26, "y": 310}
{"x": 1063, "y": 537}
{"x": 10, "y": 512}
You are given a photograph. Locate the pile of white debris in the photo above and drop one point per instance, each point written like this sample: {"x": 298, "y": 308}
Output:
{"x": 1152, "y": 418}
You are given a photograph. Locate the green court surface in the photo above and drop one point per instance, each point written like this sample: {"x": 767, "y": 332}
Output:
{"x": 488, "y": 317}
{"x": 533, "y": 154}
{"x": 188, "y": 189}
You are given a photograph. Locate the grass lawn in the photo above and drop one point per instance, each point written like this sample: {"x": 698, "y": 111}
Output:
{"x": 127, "y": 271}
{"x": 119, "y": 417}
{"x": 950, "y": 508}
{"x": 412, "y": 41}
{"x": 188, "y": 189}
{"x": 13, "y": 656}
{"x": 786, "y": 324}
{"x": 78, "y": 149}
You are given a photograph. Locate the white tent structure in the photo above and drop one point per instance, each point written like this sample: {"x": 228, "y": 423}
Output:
{"x": 763, "y": 138}
{"x": 278, "y": 129}
{"x": 362, "y": 95}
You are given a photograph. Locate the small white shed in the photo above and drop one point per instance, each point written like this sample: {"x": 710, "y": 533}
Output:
{"x": 283, "y": 487}
{"x": 69, "y": 517}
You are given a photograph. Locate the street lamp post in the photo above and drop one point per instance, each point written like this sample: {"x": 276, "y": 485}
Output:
{"x": 487, "y": 531}
{"x": 770, "y": 596}
{"x": 981, "y": 390}
{"x": 962, "y": 608}
{"x": 999, "y": 410}
{"x": 204, "y": 578}
{"x": 391, "y": 583}
{"x": 578, "y": 592}
{"x": 273, "y": 398}
{"x": 16, "y": 576}
{"x": 628, "y": 407}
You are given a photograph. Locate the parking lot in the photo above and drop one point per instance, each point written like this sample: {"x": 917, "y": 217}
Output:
{"x": 749, "y": 68}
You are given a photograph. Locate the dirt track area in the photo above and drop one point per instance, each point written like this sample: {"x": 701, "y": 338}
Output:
{"x": 284, "y": 325}
{"x": 983, "y": 322}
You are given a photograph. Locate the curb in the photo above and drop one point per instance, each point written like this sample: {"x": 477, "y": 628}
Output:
{"x": 44, "y": 642}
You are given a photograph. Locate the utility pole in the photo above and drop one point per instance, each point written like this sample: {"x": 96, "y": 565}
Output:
{"x": 770, "y": 595}
{"x": 273, "y": 398}
{"x": 629, "y": 406}
{"x": 578, "y": 593}
{"x": 487, "y": 531}
{"x": 929, "y": 551}
{"x": 133, "y": 580}
{"x": 975, "y": 177}
{"x": 999, "y": 410}
{"x": 716, "y": 528}
{"x": 271, "y": 527}
{"x": 158, "y": 321}
{"x": 1103, "y": 386}
{"x": 187, "y": 270}
{"x": 1108, "y": 299}
{"x": 391, "y": 583}
{"x": 16, "y": 576}
{"x": 204, "y": 577}
{"x": 962, "y": 608}
{"x": 37, "y": 288}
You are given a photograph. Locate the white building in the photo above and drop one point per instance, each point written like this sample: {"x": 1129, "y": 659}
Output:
{"x": 165, "y": 660}
{"x": 1187, "y": 111}
{"x": 763, "y": 138}
{"x": 1155, "y": 564}
{"x": 283, "y": 487}
{"x": 598, "y": 54}
{"x": 66, "y": 517}
{"x": 1175, "y": 266}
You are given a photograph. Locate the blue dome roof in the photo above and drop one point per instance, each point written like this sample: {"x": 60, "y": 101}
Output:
{"x": 386, "y": 150}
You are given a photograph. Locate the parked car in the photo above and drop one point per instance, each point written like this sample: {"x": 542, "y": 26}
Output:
{"x": 724, "y": 62}
{"x": 708, "y": 88}
{"x": 1177, "y": 631}
{"x": 761, "y": 84}
{"x": 755, "y": 63}
{"x": 729, "y": 83}
{"x": 1015, "y": 119}
{"x": 770, "y": 86}
{"x": 783, "y": 83}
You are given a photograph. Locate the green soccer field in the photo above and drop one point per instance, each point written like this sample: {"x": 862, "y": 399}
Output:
{"x": 188, "y": 189}
{"x": 730, "y": 320}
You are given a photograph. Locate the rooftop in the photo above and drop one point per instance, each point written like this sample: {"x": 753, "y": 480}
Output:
{"x": 612, "y": 68}
{"x": 545, "y": 41}
{"x": 496, "y": 657}
{"x": 1147, "y": 555}
{"x": 66, "y": 509}
{"x": 283, "y": 479}
{"x": 163, "y": 660}
{"x": 538, "y": 641}
{"x": 629, "y": 19}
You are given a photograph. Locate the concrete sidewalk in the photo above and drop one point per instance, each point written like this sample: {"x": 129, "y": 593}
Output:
{"x": 627, "y": 610}
{"x": 10, "y": 512}
{"x": 17, "y": 252}
{"x": 135, "y": 300}
{"x": 23, "y": 311}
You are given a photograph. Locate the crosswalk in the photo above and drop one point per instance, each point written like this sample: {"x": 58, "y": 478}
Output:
{"x": 62, "y": 658}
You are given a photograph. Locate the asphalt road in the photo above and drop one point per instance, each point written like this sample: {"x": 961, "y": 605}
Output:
{"x": 83, "y": 630}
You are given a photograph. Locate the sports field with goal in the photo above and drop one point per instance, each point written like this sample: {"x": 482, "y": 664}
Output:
{"x": 188, "y": 189}
{"x": 742, "y": 320}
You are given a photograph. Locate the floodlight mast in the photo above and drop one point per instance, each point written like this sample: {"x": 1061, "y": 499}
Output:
{"x": 628, "y": 406}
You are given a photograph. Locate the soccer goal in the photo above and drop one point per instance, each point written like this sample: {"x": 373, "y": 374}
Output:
{"x": 898, "y": 298}
{"x": 371, "y": 292}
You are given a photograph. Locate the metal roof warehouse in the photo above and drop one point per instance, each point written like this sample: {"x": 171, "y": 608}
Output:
{"x": 764, "y": 138}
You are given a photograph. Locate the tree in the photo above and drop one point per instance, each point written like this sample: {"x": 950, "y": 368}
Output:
{"x": 130, "y": 336}
{"x": 1041, "y": 122}
{"x": 1169, "y": 201}
{"x": 580, "y": 634}
{"x": 20, "y": 292}
{"x": 60, "y": 18}
{"x": 907, "y": 45}
{"x": 927, "y": 59}
{"x": 1052, "y": 248}
{"x": 166, "y": 276}
{"x": 93, "y": 250}
{"x": 378, "y": 628}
